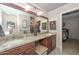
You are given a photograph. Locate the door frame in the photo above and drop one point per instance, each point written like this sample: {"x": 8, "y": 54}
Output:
{"x": 68, "y": 11}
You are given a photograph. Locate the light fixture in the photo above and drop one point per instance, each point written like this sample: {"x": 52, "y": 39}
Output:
{"x": 39, "y": 13}
{"x": 34, "y": 9}
{"x": 27, "y": 7}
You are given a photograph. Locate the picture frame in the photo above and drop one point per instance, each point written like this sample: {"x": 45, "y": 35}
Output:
{"x": 52, "y": 25}
{"x": 44, "y": 26}
{"x": 10, "y": 24}
{"x": 24, "y": 23}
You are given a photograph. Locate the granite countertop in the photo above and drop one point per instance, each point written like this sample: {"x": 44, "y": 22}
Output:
{"x": 7, "y": 44}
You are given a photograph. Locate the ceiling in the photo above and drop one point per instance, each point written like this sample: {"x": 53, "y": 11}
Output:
{"x": 49, "y": 6}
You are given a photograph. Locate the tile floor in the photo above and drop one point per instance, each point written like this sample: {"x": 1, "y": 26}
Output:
{"x": 58, "y": 52}
{"x": 71, "y": 46}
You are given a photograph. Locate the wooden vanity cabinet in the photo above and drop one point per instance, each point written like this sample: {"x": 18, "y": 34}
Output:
{"x": 30, "y": 52}
{"x": 49, "y": 42}
{"x": 27, "y": 49}
{"x": 53, "y": 42}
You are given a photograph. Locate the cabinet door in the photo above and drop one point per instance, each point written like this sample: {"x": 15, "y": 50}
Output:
{"x": 19, "y": 50}
{"x": 49, "y": 45}
{"x": 54, "y": 42}
{"x": 30, "y": 52}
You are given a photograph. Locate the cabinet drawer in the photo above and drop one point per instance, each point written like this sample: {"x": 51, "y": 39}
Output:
{"x": 30, "y": 52}
{"x": 27, "y": 47}
{"x": 17, "y": 50}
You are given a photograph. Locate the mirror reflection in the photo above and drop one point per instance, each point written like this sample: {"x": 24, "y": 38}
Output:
{"x": 14, "y": 22}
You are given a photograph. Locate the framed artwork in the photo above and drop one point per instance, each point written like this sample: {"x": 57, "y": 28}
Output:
{"x": 52, "y": 25}
{"x": 24, "y": 23}
{"x": 10, "y": 27}
{"x": 44, "y": 26}
{"x": 10, "y": 24}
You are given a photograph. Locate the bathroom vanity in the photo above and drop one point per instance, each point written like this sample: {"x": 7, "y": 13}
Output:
{"x": 26, "y": 34}
{"x": 27, "y": 45}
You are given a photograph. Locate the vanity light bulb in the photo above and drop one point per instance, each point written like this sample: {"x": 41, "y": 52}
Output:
{"x": 27, "y": 7}
{"x": 39, "y": 13}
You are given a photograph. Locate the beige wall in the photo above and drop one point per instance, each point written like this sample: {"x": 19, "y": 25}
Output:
{"x": 57, "y": 15}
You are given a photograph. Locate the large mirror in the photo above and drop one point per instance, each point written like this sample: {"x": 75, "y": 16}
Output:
{"x": 43, "y": 23}
{"x": 14, "y": 22}
{"x": 40, "y": 24}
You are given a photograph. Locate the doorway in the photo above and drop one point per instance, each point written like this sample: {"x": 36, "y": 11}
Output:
{"x": 70, "y": 32}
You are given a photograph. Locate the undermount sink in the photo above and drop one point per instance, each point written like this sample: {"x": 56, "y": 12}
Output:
{"x": 17, "y": 36}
